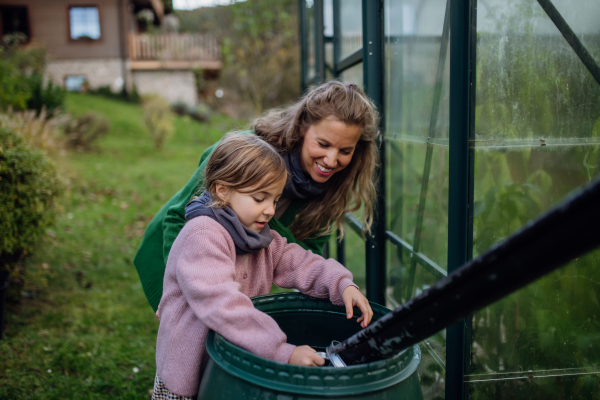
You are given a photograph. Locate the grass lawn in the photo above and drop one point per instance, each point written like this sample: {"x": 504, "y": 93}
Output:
{"x": 91, "y": 334}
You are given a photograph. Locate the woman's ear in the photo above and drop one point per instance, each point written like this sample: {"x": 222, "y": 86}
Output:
{"x": 222, "y": 191}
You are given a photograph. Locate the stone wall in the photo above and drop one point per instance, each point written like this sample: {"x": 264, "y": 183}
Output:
{"x": 173, "y": 85}
{"x": 98, "y": 72}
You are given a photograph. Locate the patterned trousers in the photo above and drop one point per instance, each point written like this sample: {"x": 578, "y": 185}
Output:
{"x": 161, "y": 392}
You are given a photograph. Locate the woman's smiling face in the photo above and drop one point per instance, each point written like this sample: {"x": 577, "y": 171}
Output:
{"x": 327, "y": 148}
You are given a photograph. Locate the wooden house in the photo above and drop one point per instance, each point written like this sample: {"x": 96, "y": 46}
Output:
{"x": 115, "y": 43}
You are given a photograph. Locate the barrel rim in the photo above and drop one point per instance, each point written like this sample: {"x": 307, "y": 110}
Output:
{"x": 356, "y": 379}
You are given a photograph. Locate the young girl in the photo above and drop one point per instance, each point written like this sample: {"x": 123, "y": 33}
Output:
{"x": 225, "y": 254}
{"x": 328, "y": 140}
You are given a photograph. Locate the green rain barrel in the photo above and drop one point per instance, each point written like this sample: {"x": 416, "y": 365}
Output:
{"x": 233, "y": 373}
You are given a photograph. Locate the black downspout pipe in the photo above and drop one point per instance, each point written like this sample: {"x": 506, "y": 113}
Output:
{"x": 539, "y": 248}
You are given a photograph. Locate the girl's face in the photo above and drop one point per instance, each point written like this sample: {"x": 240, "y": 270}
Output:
{"x": 328, "y": 147}
{"x": 255, "y": 207}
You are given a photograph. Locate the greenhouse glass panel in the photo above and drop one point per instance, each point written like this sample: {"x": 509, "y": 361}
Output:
{"x": 582, "y": 16}
{"x": 310, "y": 38}
{"x": 537, "y": 137}
{"x": 414, "y": 36}
{"x": 351, "y": 26}
{"x": 353, "y": 75}
{"x": 355, "y": 256}
{"x": 416, "y": 135}
{"x": 328, "y": 37}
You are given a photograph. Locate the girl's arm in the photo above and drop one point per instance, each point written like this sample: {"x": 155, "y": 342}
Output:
{"x": 313, "y": 275}
{"x": 205, "y": 273}
{"x": 315, "y": 244}
{"x": 308, "y": 272}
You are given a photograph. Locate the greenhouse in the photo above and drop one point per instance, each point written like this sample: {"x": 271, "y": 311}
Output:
{"x": 490, "y": 116}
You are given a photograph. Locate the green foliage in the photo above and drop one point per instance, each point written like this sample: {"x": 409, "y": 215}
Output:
{"x": 200, "y": 112}
{"x": 49, "y": 96}
{"x": 260, "y": 52}
{"x": 86, "y": 334}
{"x": 41, "y": 131}
{"x": 82, "y": 132}
{"x": 158, "y": 119}
{"x": 29, "y": 187}
{"x": 15, "y": 90}
{"x": 260, "y": 48}
{"x": 131, "y": 96}
{"x": 22, "y": 83}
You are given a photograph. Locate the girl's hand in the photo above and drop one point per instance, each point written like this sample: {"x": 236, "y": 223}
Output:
{"x": 306, "y": 356}
{"x": 353, "y": 297}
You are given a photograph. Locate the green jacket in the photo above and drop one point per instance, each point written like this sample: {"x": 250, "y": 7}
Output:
{"x": 151, "y": 258}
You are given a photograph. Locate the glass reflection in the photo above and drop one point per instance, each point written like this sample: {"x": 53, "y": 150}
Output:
{"x": 355, "y": 256}
{"x": 530, "y": 82}
{"x": 353, "y": 75}
{"x": 417, "y": 71}
{"x": 537, "y": 138}
{"x": 328, "y": 37}
{"x": 350, "y": 26}
{"x": 310, "y": 38}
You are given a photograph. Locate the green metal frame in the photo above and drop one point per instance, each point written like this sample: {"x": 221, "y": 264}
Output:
{"x": 460, "y": 19}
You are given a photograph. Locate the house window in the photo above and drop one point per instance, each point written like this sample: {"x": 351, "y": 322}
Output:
{"x": 84, "y": 23}
{"x": 15, "y": 20}
{"x": 75, "y": 83}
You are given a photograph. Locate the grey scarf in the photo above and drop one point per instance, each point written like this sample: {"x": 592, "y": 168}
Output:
{"x": 300, "y": 185}
{"x": 245, "y": 239}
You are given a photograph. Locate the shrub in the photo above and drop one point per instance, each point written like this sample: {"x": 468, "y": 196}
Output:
{"x": 131, "y": 96}
{"x": 38, "y": 130}
{"x": 29, "y": 187}
{"x": 158, "y": 119}
{"x": 49, "y": 96}
{"x": 22, "y": 83}
{"x": 200, "y": 113}
{"x": 14, "y": 89}
{"x": 83, "y": 131}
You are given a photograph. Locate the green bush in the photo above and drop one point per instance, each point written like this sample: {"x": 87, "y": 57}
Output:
{"x": 29, "y": 186}
{"x": 22, "y": 83}
{"x": 83, "y": 131}
{"x": 49, "y": 96}
{"x": 159, "y": 119}
{"x": 131, "y": 96}
{"x": 200, "y": 112}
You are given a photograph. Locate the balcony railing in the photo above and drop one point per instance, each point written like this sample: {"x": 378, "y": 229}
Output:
{"x": 174, "y": 47}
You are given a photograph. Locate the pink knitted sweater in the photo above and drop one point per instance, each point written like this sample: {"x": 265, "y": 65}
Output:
{"x": 207, "y": 286}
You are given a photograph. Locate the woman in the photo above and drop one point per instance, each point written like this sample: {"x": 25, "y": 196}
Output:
{"x": 328, "y": 142}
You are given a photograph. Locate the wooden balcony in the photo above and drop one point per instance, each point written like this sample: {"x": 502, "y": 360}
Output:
{"x": 174, "y": 51}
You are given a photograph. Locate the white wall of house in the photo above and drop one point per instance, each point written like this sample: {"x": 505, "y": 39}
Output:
{"x": 97, "y": 71}
{"x": 173, "y": 85}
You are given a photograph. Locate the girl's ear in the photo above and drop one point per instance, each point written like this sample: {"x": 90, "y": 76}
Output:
{"x": 222, "y": 191}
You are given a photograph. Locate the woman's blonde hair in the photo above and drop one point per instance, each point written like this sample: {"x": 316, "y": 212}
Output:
{"x": 348, "y": 189}
{"x": 242, "y": 163}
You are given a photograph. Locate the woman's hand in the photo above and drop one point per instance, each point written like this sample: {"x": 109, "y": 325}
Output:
{"x": 306, "y": 356}
{"x": 353, "y": 297}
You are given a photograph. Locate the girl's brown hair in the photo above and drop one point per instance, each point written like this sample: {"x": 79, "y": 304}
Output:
{"x": 242, "y": 162}
{"x": 348, "y": 189}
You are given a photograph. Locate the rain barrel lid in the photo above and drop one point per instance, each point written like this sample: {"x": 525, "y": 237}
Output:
{"x": 311, "y": 380}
